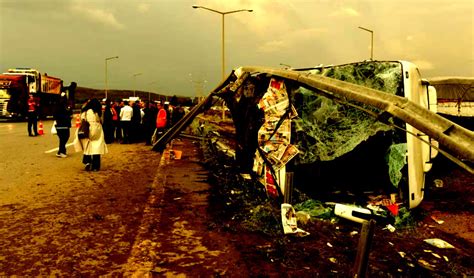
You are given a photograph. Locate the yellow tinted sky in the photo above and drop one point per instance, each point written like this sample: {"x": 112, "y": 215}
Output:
{"x": 171, "y": 43}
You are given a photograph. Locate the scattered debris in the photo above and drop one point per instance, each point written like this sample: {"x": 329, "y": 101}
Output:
{"x": 426, "y": 265}
{"x": 390, "y": 228}
{"x": 303, "y": 217}
{"x": 352, "y": 213}
{"x": 333, "y": 260}
{"x": 393, "y": 208}
{"x": 289, "y": 220}
{"x": 315, "y": 209}
{"x": 221, "y": 146}
{"x": 175, "y": 154}
{"x": 402, "y": 254}
{"x": 329, "y": 244}
{"x": 438, "y": 243}
{"x": 246, "y": 176}
{"x": 353, "y": 233}
{"x": 438, "y": 183}
{"x": 436, "y": 255}
{"x": 404, "y": 218}
{"x": 435, "y": 219}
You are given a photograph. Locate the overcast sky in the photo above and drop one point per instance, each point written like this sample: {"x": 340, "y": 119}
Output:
{"x": 171, "y": 44}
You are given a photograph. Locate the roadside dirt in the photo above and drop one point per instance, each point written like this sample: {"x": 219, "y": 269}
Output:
{"x": 148, "y": 215}
{"x": 69, "y": 222}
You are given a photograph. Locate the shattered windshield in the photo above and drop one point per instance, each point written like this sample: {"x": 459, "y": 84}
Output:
{"x": 326, "y": 129}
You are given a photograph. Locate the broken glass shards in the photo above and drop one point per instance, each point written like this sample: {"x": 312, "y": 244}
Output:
{"x": 396, "y": 160}
{"x": 327, "y": 129}
{"x": 382, "y": 76}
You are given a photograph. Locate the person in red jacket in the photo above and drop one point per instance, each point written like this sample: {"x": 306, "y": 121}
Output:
{"x": 161, "y": 119}
{"x": 33, "y": 105}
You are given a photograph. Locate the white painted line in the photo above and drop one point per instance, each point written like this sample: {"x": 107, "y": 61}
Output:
{"x": 55, "y": 149}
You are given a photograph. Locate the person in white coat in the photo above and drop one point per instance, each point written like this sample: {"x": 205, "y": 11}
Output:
{"x": 94, "y": 146}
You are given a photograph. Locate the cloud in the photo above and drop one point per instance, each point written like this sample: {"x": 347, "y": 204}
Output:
{"x": 269, "y": 17}
{"x": 345, "y": 12}
{"x": 273, "y": 46}
{"x": 423, "y": 64}
{"x": 290, "y": 40}
{"x": 96, "y": 15}
{"x": 143, "y": 7}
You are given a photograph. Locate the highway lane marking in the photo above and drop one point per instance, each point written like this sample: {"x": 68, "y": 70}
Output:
{"x": 55, "y": 149}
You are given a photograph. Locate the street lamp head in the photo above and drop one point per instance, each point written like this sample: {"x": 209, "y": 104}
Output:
{"x": 195, "y": 7}
{"x": 110, "y": 58}
{"x": 365, "y": 29}
{"x": 249, "y": 11}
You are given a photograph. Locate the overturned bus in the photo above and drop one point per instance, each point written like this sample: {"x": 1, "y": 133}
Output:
{"x": 362, "y": 125}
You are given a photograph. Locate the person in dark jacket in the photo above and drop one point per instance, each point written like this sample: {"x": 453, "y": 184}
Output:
{"x": 62, "y": 116}
{"x": 107, "y": 123}
{"x": 135, "y": 128}
{"x": 149, "y": 119}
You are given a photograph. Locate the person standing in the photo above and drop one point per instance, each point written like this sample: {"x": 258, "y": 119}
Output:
{"x": 135, "y": 126}
{"x": 178, "y": 114}
{"x": 149, "y": 119}
{"x": 116, "y": 121}
{"x": 161, "y": 120}
{"x": 62, "y": 116}
{"x": 126, "y": 114}
{"x": 108, "y": 123}
{"x": 94, "y": 146}
{"x": 33, "y": 106}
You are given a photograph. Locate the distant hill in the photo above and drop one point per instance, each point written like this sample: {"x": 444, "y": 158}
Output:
{"x": 83, "y": 93}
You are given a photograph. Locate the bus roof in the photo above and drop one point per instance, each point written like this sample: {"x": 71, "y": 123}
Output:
{"x": 453, "y": 87}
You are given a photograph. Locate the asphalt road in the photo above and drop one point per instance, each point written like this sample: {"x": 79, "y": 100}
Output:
{"x": 25, "y": 158}
{"x": 141, "y": 215}
{"x": 58, "y": 219}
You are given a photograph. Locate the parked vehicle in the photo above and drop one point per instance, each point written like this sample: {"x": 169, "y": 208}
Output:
{"x": 17, "y": 84}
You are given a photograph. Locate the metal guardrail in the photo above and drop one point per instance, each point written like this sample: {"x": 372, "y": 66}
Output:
{"x": 453, "y": 137}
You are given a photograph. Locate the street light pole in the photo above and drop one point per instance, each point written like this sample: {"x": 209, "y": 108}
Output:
{"x": 198, "y": 84}
{"x": 106, "y": 85}
{"x": 135, "y": 82}
{"x": 371, "y": 41}
{"x": 223, "y": 31}
{"x": 152, "y": 83}
{"x": 223, "y": 36}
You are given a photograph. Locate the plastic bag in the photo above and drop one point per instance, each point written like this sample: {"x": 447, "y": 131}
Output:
{"x": 53, "y": 128}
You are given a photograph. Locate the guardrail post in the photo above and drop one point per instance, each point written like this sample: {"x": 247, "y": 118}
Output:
{"x": 363, "y": 249}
